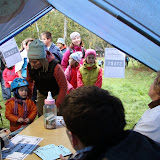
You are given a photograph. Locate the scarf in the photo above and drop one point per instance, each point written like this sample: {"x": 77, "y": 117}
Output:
{"x": 89, "y": 65}
{"x": 154, "y": 103}
{"x": 15, "y": 109}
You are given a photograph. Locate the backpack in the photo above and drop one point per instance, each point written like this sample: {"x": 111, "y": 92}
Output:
{"x": 83, "y": 51}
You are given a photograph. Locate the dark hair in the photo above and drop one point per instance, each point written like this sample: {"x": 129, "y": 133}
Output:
{"x": 28, "y": 40}
{"x": 93, "y": 115}
{"x": 47, "y": 34}
{"x": 156, "y": 83}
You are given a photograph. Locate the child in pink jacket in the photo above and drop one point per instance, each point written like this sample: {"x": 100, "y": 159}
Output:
{"x": 9, "y": 75}
{"x": 71, "y": 71}
{"x": 75, "y": 46}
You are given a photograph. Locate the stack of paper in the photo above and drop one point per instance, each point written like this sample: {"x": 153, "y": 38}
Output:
{"x": 51, "y": 152}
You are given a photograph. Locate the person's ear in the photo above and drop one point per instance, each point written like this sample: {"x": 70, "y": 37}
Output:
{"x": 73, "y": 139}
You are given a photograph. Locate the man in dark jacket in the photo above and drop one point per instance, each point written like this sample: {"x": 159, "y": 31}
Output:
{"x": 95, "y": 122}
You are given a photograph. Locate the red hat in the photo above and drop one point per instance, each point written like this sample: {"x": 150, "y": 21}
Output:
{"x": 90, "y": 51}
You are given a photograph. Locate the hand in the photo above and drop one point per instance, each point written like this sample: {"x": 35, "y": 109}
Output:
{"x": 20, "y": 120}
{"x": 27, "y": 120}
{"x": 62, "y": 158}
{"x": 10, "y": 82}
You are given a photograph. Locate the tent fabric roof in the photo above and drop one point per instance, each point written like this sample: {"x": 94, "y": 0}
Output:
{"x": 124, "y": 24}
{"x": 16, "y": 15}
{"x": 131, "y": 26}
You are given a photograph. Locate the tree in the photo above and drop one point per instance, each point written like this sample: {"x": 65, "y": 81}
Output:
{"x": 61, "y": 26}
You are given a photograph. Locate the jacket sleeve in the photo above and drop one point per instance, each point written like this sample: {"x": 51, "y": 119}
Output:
{"x": 30, "y": 82}
{"x": 59, "y": 53}
{"x": 79, "y": 79}
{"x": 65, "y": 59}
{"x": 9, "y": 112}
{"x": 5, "y": 75}
{"x": 99, "y": 79}
{"x": 33, "y": 110}
{"x": 62, "y": 83}
{"x": 68, "y": 77}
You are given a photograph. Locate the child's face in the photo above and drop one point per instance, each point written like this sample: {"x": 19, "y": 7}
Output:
{"x": 71, "y": 61}
{"x": 45, "y": 40}
{"x": 60, "y": 45}
{"x": 76, "y": 41}
{"x": 22, "y": 91}
{"x": 90, "y": 59}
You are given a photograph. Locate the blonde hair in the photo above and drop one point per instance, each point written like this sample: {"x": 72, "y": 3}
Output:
{"x": 156, "y": 83}
{"x": 25, "y": 42}
{"x": 45, "y": 64}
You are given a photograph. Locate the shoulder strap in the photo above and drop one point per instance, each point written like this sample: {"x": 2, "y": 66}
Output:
{"x": 83, "y": 52}
{"x": 71, "y": 50}
{"x": 58, "y": 58}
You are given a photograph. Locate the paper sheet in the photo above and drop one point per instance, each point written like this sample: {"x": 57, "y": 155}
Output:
{"x": 10, "y": 52}
{"x": 114, "y": 66}
{"x": 20, "y": 146}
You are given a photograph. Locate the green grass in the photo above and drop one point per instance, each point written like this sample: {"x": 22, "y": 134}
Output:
{"x": 132, "y": 90}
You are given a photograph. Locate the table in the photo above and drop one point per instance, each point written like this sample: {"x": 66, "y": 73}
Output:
{"x": 56, "y": 136}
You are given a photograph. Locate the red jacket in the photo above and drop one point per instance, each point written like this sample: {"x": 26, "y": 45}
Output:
{"x": 32, "y": 113}
{"x": 60, "y": 79}
{"x": 71, "y": 76}
{"x": 9, "y": 75}
{"x": 66, "y": 55}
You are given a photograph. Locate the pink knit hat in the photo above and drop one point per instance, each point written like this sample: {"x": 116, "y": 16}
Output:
{"x": 90, "y": 51}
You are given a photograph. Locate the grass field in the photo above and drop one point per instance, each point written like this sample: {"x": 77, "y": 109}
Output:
{"x": 132, "y": 90}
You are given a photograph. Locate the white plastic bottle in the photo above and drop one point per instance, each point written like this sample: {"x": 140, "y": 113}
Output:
{"x": 50, "y": 112}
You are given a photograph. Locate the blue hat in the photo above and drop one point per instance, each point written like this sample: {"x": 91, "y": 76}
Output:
{"x": 18, "y": 82}
{"x": 77, "y": 56}
{"x": 60, "y": 40}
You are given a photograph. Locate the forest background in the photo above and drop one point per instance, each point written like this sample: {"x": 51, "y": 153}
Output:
{"x": 61, "y": 26}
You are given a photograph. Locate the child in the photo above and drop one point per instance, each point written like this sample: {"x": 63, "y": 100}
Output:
{"x": 71, "y": 71}
{"x": 90, "y": 73}
{"x": 20, "y": 110}
{"x": 75, "y": 46}
{"x": 99, "y": 62}
{"x": 95, "y": 122}
{"x": 9, "y": 75}
{"x": 61, "y": 45}
{"x": 50, "y": 46}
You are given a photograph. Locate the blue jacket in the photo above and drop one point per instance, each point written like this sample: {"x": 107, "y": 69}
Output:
{"x": 55, "y": 51}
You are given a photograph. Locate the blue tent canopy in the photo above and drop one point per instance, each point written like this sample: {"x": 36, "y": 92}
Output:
{"x": 131, "y": 26}
{"x": 17, "y": 15}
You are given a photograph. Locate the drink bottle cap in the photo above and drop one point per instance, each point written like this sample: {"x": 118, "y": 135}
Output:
{"x": 49, "y": 99}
